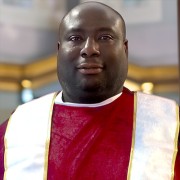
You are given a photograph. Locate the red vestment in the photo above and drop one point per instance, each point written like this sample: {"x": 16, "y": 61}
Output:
{"x": 90, "y": 143}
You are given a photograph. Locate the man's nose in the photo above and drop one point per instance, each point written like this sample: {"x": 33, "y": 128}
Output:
{"x": 90, "y": 49}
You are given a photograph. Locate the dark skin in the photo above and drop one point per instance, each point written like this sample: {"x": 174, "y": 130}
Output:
{"x": 92, "y": 54}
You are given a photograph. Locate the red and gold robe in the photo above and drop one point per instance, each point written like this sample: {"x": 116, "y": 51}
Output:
{"x": 97, "y": 143}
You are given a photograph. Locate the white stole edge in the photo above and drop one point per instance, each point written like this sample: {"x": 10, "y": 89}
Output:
{"x": 154, "y": 145}
{"x": 26, "y": 148}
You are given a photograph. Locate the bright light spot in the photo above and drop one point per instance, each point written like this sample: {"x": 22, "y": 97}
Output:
{"x": 26, "y": 83}
{"x": 147, "y": 87}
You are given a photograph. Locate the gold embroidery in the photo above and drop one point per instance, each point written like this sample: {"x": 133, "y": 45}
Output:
{"x": 175, "y": 142}
{"x": 133, "y": 137}
{"x": 48, "y": 139}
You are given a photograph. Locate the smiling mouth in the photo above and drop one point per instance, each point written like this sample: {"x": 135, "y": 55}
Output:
{"x": 90, "y": 68}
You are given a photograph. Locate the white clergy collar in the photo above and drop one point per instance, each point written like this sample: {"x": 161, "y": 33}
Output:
{"x": 59, "y": 100}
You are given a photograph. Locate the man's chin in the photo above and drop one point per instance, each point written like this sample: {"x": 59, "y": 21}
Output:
{"x": 92, "y": 88}
{"x": 91, "y": 84}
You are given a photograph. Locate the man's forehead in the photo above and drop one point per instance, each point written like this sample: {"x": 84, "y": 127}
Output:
{"x": 86, "y": 26}
{"x": 92, "y": 15}
{"x": 88, "y": 11}
{"x": 77, "y": 17}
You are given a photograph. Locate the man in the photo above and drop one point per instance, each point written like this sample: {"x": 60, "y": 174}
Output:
{"x": 94, "y": 128}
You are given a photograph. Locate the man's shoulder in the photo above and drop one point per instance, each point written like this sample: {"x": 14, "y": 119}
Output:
{"x": 157, "y": 103}
{"x": 37, "y": 103}
{"x": 30, "y": 106}
{"x": 155, "y": 97}
{"x": 146, "y": 96}
{"x": 43, "y": 99}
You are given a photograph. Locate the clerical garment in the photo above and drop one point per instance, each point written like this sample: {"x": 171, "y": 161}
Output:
{"x": 101, "y": 141}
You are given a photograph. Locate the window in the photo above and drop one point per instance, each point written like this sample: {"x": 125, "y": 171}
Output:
{"x": 21, "y": 3}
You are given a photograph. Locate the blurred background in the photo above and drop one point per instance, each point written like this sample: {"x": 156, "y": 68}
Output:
{"x": 28, "y": 46}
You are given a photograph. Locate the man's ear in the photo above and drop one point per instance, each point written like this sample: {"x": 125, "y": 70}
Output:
{"x": 126, "y": 47}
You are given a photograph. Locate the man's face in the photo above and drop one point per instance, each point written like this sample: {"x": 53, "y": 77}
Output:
{"x": 92, "y": 55}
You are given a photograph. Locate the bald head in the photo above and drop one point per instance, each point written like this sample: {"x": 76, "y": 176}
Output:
{"x": 92, "y": 6}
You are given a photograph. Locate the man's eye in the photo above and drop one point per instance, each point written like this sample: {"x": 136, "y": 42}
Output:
{"x": 75, "y": 38}
{"x": 105, "y": 37}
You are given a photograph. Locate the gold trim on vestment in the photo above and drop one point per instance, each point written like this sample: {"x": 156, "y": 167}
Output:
{"x": 175, "y": 142}
{"x": 133, "y": 137}
{"x": 48, "y": 138}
